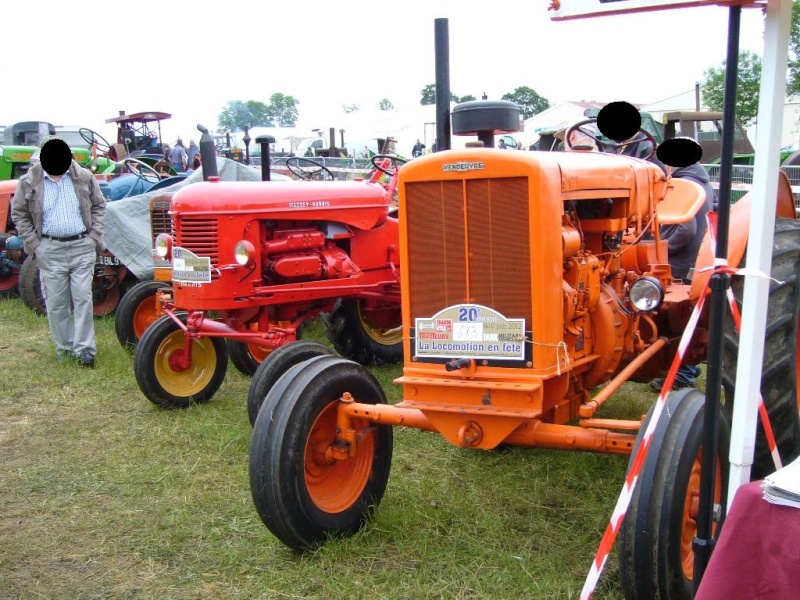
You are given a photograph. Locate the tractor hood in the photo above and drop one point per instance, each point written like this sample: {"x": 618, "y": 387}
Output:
{"x": 358, "y": 204}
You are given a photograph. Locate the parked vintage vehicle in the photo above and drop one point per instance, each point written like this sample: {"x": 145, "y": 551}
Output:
{"x": 251, "y": 262}
{"x": 528, "y": 281}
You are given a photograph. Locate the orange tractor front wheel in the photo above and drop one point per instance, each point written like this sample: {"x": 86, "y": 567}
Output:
{"x": 306, "y": 482}
{"x": 656, "y": 556}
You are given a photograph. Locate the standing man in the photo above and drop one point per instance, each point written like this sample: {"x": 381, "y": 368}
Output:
{"x": 418, "y": 149}
{"x": 177, "y": 157}
{"x": 59, "y": 210}
{"x": 191, "y": 153}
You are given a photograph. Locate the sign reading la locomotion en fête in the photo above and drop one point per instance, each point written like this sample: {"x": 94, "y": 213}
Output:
{"x": 470, "y": 331}
{"x": 576, "y": 9}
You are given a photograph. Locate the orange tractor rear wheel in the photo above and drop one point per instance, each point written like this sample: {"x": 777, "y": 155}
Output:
{"x": 303, "y": 486}
{"x": 779, "y": 376}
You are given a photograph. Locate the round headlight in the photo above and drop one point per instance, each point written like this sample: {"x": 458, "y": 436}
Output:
{"x": 244, "y": 252}
{"x": 163, "y": 245}
{"x": 646, "y": 294}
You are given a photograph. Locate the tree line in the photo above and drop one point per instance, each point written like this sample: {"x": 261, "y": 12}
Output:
{"x": 749, "y": 71}
{"x": 281, "y": 110}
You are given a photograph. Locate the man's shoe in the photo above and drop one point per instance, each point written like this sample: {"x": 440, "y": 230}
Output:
{"x": 63, "y": 356}
{"x": 85, "y": 359}
{"x": 657, "y": 384}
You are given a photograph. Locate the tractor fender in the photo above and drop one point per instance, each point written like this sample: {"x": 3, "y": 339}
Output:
{"x": 738, "y": 230}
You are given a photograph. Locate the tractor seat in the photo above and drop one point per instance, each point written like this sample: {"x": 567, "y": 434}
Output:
{"x": 681, "y": 202}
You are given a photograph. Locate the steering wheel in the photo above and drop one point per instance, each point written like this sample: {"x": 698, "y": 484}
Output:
{"x": 90, "y": 137}
{"x": 395, "y": 161}
{"x": 314, "y": 172}
{"x": 606, "y": 145}
{"x": 142, "y": 170}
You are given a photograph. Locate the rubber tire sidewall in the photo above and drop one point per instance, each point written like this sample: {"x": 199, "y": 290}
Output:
{"x": 779, "y": 367}
{"x": 126, "y": 310}
{"x": 277, "y": 453}
{"x": 274, "y": 366}
{"x": 345, "y": 330}
{"x": 144, "y": 360}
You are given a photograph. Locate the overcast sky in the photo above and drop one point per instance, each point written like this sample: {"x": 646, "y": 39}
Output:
{"x": 79, "y": 63}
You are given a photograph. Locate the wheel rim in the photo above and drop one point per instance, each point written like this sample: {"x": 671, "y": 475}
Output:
{"x": 144, "y": 316}
{"x": 258, "y": 353}
{"x": 375, "y": 326}
{"x": 336, "y": 486}
{"x": 9, "y": 283}
{"x": 108, "y": 303}
{"x": 690, "y": 511}
{"x": 196, "y": 377}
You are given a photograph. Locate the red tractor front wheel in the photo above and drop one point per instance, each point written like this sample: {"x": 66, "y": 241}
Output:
{"x": 161, "y": 372}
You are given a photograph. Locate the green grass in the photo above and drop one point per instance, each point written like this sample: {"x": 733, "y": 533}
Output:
{"x": 104, "y": 495}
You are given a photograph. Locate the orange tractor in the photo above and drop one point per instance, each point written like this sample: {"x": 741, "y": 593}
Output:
{"x": 529, "y": 279}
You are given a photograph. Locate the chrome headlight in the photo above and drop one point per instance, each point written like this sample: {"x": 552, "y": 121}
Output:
{"x": 163, "y": 245}
{"x": 646, "y": 294}
{"x": 244, "y": 253}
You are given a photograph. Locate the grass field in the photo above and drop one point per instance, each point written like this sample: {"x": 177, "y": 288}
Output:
{"x": 103, "y": 495}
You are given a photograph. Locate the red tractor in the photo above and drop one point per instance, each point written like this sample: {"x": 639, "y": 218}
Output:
{"x": 529, "y": 280}
{"x": 251, "y": 262}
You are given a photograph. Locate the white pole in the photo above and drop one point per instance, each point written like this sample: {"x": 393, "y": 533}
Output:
{"x": 759, "y": 247}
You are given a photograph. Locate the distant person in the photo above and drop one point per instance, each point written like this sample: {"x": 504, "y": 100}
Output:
{"x": 191, "y": 152}
{"x": 418, "y": 149}
{"x": 501, "y": 145}
{"x": 177, "y": 157}
{"x": 365, "y": 152}
{"x": 59, "y": 210}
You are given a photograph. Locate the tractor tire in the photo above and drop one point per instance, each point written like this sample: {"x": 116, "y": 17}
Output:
{"x": 104, "y": 300}
{"x": 357, "y": 337}
{"x": 655, "y": 544}
{"x": 159, "y": 378}
{"x": 136, "y": 312}
{"x": 275, "y": 365}
{"x": 30, "y": 286}
{"x": 247, "y": 357}
{"x": 779, "y": 380}
{"x": 300, "y": 495}
{"x": 9, "y": 284}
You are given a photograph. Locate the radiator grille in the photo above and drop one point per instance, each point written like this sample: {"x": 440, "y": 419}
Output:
{"x": 160, "y": 221}
{"x": 200, "y": 236}
{"x": 469, "y": 241}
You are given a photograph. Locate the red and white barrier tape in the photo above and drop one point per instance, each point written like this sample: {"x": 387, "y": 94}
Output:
{"x": 711, "y": 219}
{"x": 638, "y": 460}
{"x": 623, "y": 502}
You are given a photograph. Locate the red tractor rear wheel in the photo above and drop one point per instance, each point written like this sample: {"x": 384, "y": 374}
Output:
{"x": 366, "y": 334}
{"x": 302, "y": 494}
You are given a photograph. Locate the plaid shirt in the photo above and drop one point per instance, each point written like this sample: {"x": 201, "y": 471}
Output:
{"x": 62, "y": 213}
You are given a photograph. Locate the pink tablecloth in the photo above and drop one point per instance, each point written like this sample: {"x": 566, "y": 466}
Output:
{"x": 758, "y": 552}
